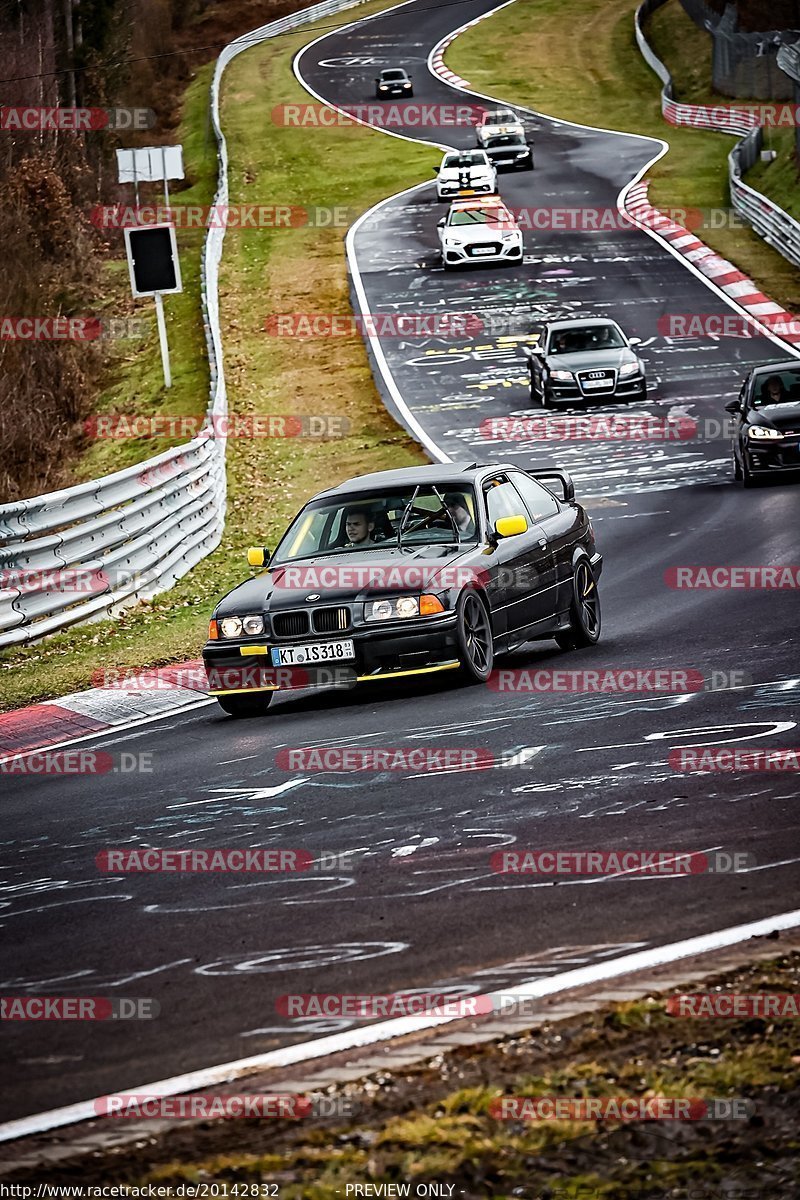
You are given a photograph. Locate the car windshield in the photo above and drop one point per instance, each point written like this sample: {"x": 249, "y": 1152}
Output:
{"x": 473, "y": 159}
{"x": 776, "y": 387}
{"x": 370, "y": 521}
{"x": 505, "y": 139}
{"x": 585, "y": 337}
{"x": 503, "y": 116}
{"x": 481, "y": 216}
{"x": 393, "y": 75}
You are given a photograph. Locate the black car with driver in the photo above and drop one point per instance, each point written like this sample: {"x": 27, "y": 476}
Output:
{"x": 766, "y": 433}
{"x": 408, "y": 572}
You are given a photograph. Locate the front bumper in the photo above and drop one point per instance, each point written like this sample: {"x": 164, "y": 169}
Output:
{"x": 510, "y": 161}
{"x": 765, "y": 457}
{"x": 458, "y": 256}
{"x": 454, "y": 191}
{"x": 634, "y": 388}
{"x": 422, "y": 646}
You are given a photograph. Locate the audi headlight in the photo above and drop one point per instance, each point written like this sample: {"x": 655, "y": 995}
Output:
{"x": 509, "y": 237}
{"x": 231, "y": 627}
{"x": 382, "y": 87}
{"x": 253, "y": 625}
{"x": 629, "y": 369}
{"x": 390, "y": 610}
{"x": 761, "y": 431}
{"x": 565, "y": 375}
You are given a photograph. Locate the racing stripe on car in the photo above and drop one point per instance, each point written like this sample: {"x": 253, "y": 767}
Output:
{"x": 723, "y": 273}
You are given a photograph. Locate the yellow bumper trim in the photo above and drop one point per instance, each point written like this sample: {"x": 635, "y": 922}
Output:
{"x": 451, "y": 666}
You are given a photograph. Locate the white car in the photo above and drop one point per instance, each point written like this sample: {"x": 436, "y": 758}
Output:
{"x": 479, "y": 230}
{"x": 499, "y": 121}
{"x": 465, "y": 173}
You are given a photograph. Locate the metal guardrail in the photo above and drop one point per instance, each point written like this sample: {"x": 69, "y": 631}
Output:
{"x": 768, "y": 220}
{"x": 92, "y": 550}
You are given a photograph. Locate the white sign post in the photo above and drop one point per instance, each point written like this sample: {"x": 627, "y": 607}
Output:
{"x": 153, "y": 260}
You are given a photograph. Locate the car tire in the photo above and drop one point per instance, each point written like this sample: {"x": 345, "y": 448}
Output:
{"x": 584, "y": 610}
{"x": 535, "y": 397}
{"x": 737, "y": 469}
{"x": 245, "y": 706}
{"x": 474, "y": 637}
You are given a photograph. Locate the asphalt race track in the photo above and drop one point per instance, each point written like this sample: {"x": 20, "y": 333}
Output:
{"x": 421, "y": 906}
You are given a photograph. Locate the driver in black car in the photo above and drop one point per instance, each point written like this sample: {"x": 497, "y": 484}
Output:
{"x": 773, "y": 391}
{"x": 359, "y": 527}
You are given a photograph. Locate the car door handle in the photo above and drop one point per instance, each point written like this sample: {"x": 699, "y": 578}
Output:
{"x": 543, "y": 542}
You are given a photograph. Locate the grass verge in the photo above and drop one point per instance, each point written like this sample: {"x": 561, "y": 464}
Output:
{"x": 264, "y": 271}
{"x": 581, "y": 62}
{"x": 431, "y": 1124}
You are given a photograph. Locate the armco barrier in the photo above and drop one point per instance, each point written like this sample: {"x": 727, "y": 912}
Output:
{"x": 768, "y": 220}
{"x": 132, "y": 534}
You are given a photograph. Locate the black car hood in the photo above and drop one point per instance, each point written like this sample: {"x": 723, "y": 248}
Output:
{"x": 777, "y": 416}
{"x": 289, "y": 584}
{"x": 592, "y": 360}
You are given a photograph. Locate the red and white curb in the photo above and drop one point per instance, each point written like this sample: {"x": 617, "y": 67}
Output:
{"x": 723, "y": 274}
{"x": 139, "y": 697}
{"x": 436, "y": 60}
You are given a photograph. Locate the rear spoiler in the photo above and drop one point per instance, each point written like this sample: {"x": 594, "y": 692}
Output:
{"x": 562, "y": 477}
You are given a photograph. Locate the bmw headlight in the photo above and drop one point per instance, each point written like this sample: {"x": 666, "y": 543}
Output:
{"x": 761, "y": 431}
{"x": 629, "y": 369}
{"x": 253, "y": 625}
{"x": 389, "y": 610}
{"x": 565, "y": 375}
{"x": 231, "y": 627}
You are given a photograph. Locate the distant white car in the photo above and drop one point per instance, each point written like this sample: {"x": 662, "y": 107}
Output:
{"x": 479, "y": 230}
{"x": 465, "y": 173}
{"x": 499, "y": 121}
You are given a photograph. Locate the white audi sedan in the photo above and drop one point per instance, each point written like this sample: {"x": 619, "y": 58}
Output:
{"x": 479, "y": 230}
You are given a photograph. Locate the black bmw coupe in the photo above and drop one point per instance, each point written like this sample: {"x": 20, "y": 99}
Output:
{"x": 408, "y": 572}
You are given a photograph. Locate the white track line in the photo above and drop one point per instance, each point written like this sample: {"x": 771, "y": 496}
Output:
{"x": 383, "y": 1031}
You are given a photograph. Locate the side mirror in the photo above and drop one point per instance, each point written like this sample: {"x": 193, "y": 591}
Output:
{"x": 634, "y": 341}
{"x": 733, "y": 406}
{"x": 532, "y": 351}
{"x": 510, "y": 526}
{"x": 441, "y": 222}
{"x": 258, "y": 556}
{"x": 436, "y": 170}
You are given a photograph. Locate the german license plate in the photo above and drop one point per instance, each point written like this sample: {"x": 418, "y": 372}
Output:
{"x": 314, "y": 652}
{"x": 596, "y": 383}
{"x": 482, "y": 250}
